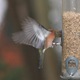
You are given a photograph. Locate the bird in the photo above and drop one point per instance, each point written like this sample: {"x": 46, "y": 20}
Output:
{"x": 36, "y": 35}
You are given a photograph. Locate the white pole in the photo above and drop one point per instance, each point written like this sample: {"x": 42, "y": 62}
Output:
{"x": 3, "y": 9}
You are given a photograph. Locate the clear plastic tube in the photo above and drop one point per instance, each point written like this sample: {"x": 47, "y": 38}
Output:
{"x": 71, "y": 39}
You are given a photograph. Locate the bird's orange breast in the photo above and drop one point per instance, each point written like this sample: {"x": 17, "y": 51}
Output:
{"x": 49, "y": 39}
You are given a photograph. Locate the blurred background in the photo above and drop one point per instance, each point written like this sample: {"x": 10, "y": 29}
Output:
{"x": 20, "y": 62}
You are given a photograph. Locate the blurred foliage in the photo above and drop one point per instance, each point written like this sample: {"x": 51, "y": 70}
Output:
{"x": 15, "y": 74}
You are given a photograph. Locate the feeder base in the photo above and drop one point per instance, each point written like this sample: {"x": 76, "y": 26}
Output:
{"x": 75, "y": 76}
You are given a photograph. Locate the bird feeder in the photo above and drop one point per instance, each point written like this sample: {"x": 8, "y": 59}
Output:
{"x": 71, "y": 39}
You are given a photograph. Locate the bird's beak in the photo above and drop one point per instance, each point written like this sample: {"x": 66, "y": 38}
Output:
{"x": 58, "y": 33}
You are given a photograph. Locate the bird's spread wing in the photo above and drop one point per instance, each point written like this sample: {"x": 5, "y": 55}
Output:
{"x": 32, "y": 34}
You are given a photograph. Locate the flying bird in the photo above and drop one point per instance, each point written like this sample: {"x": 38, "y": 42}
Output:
{"x": 36, "y": 35}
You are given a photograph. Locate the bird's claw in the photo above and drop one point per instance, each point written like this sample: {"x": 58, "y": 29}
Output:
{"x": 44, "y": 50}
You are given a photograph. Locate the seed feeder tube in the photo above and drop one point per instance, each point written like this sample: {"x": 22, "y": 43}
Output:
{"x": 71, "y": 39}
